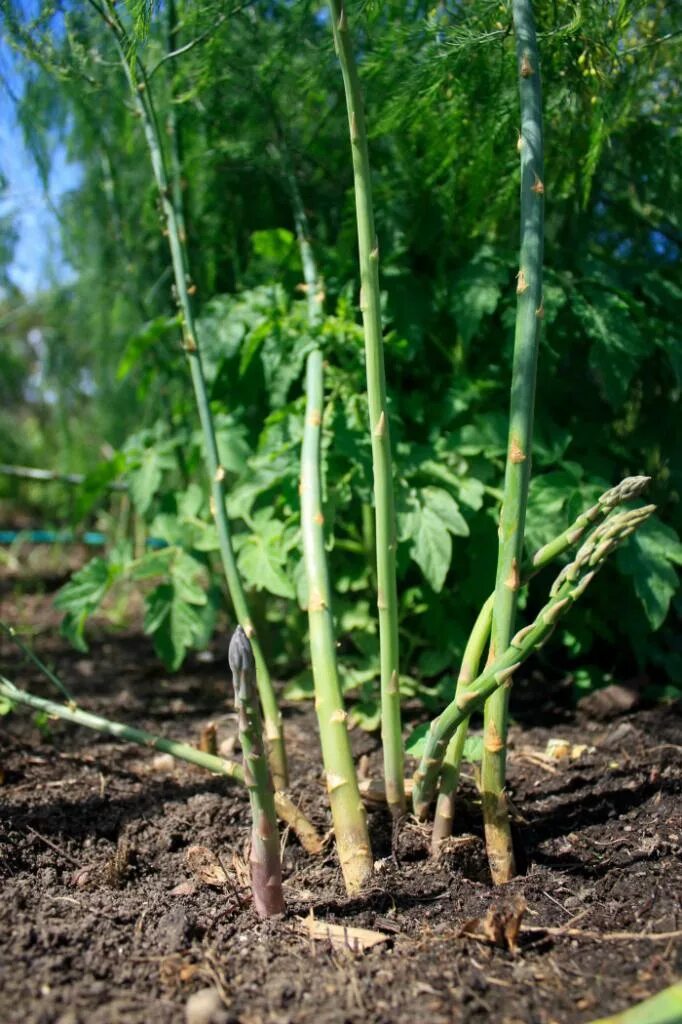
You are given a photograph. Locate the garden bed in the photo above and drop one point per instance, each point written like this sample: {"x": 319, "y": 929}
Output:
{"x": 104, "y": 918}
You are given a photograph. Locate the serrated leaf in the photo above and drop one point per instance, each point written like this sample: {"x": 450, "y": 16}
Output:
{"x": 649, "y": 557}
{"x": 86, "y": 588}
{"x": 431, "y": 548}
{"x": 145, "y": 480}
{"x": 173, "y": 624}
{"x": 72, "y": 628}
{"x": 262, "y": 567}
{"x": 618, "y": 346}
{"x": 446, "y": 508}
{"x": 184, "y": 570}
{"x": 154, "y": 563}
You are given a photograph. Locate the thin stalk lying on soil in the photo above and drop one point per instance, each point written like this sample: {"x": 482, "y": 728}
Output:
{"x": 143, "y": 101}
{"x": 266, "y": 865}
{"x": 517, "y": 475}
{"x": 567, "y": 588}
{"x": 629, "y": 488}
{"x": 348, "y": 813}
{"x": 284, "y": 806}
{"x": 370, "y": 305}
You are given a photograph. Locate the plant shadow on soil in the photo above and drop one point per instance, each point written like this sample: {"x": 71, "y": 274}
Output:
{"x": 105, "y": 920}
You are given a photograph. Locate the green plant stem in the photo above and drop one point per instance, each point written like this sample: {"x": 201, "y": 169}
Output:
{"x": 517, "y": 476}
{"x": 143, "y": 101}
{"x": 348, "y": 813}
{"x": 285, "y": 807}
{"x": 567, "y": 588}
{"x": 449, "y": 780}
{"x": 266, "y": 865}
{"x": 626, "y": 490}
{"x": 54, "y": 679}
{"x": 370, "y": 305}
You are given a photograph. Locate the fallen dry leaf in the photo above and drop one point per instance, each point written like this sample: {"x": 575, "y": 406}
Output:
{"x": 500, "y": 925}
{"x": 342, "y": 936}
{"x": 205, "y": 866}
{"x": 184, "y": 889}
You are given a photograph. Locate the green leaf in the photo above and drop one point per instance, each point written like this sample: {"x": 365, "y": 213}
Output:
{"x": 154, "y": 563}
{"x": 416, "y": 741}
{"x": 442, "y": 504}
{"x": 145, "y": 480}
{"x": 476, "y": 292}
{"x": 432, "y": 548}
{"x": 262, "y": 566}
{"x": 649, "y": 557}
{"x": 184, "y": 570}
{"x": 473, "y": 749}
{"x": 366, "y": 714}
{"x": 275, "y": 245}
{"x": 301, "y": 687}
{"x": 86, "y": 588}
{"x": 618, "y": 346}
{"x": 174, "y": 625}
{"x": 139, "y": 344}
{"x": 428, "y": 518}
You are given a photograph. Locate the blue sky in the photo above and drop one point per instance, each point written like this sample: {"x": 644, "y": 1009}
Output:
{"x": 38, "y": 261}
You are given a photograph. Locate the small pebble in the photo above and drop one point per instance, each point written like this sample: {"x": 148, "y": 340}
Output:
{"x": 205, "y": 1007}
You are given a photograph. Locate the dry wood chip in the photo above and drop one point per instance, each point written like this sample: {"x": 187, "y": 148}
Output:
{"x": 357, "y": 940}
{"x": 205, "y": 866}
{"x": 499, "y": 926}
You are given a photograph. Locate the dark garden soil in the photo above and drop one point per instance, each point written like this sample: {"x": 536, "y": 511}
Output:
{"x": 105, "y": 919}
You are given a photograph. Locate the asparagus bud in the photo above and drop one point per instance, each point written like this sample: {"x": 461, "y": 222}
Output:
{"x": 266, "y": 868}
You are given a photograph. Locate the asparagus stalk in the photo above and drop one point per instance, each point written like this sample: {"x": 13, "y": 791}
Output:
{"x": 368, "y": 247}
{"x": 143, "y": 101}
{"x": 348, "y": 813}
{"x": 266, "y": 866}
{"x": 285, "y": 807}
{"x": 567, "y": 588}
{"x": 629, "y": 488}
{"x": 517, "y": 475}
{"x": 445, "y": 805}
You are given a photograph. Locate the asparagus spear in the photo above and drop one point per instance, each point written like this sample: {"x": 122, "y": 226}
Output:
{"x": 266, "y": 867}
{"x": 348, "y": 813}
{"x": 567, "y": 588}
{"x": 517, "y": 475}
{"x": 140, "y": 87}
{"x": 370, "y": 305}
{"x": 629, "y": 488}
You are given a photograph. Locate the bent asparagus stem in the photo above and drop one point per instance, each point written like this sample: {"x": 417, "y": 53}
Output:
{"x": 348, "y": 813}
{"x": 629, "y": 488}
{"x": 370, "y": 305}
{"x": 567, "y": 588}
{"x": 266, "y": 866}
{"x": 140, "y": 88}
{"x": 445, "y": 806}
{"x": 517, "y": 474}
{"x": 286, "y": 809}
